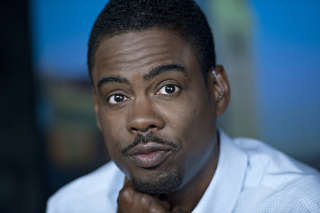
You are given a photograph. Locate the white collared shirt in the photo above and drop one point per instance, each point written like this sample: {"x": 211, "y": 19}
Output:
{"x": 251, "y": 177}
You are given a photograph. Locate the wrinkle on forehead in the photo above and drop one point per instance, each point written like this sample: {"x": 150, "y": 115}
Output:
{"x": 130, "y": 50}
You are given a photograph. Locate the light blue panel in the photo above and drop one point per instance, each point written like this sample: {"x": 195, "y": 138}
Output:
{"x": 287, "y": 53}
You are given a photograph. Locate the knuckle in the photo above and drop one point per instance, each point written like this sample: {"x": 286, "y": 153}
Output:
{"x": 179, "y": 210}
{"x": 156, "y": 210}
{"x": 145, "y": 201}
{"x": 125, "y": 196}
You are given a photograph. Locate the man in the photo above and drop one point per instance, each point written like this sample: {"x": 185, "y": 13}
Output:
{"x": 157, "y": 95}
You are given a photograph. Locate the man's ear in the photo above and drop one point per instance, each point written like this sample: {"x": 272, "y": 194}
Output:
{"x": 220, "y": 88}
{"x": 96, "y": 108}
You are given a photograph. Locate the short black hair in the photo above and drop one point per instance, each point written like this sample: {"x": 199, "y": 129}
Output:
{"x": 183, "y": 17}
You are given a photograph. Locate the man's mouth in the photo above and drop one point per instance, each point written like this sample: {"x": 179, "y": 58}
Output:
{"x": 149, "y": 155}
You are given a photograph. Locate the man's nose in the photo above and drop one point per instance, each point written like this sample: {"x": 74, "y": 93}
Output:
{"x": 144, "y": 117}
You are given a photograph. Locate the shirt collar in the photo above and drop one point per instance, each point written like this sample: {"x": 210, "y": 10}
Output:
{"x": 226, "y": 185}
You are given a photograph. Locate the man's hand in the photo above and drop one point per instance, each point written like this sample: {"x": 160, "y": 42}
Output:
{"x": 131, "y": 201}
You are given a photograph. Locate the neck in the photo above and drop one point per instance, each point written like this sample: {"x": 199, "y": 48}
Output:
{"x": 188, "y": 197}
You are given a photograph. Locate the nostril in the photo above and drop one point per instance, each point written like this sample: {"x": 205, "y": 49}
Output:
{"x": 144, "y": 124}
{"x": 153, "y": 126}
{"x": 143, "y": 129}
{"x": 134, "y": 129}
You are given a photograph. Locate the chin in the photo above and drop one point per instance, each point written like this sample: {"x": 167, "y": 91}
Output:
{"x": 163, "y": 184}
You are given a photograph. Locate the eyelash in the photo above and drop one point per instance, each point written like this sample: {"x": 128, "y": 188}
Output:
{"x": 177, "y": 90}
{"x": 114, "y": 96}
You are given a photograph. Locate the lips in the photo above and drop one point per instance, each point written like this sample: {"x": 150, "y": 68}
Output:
{"x": 149, "y": 155}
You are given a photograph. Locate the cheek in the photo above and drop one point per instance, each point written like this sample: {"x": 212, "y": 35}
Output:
{"x": 112, "y": 121}
{"x": 113, "y": 132}
{"x": 190, "y": 118}
{"x": 193, "y": 123}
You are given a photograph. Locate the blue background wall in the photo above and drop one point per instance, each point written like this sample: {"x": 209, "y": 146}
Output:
{"x": 287, "y": 54}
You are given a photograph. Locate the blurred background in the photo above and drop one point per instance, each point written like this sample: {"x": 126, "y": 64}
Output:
{"x": 270, "y": 50}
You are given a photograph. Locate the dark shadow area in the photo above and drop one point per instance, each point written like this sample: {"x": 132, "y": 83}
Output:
{"x": 23, "y": 177}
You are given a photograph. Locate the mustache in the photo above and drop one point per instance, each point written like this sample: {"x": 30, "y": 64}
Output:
{"x": 150, "y": 137}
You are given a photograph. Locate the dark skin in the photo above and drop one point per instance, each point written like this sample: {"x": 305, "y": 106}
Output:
{"x": 151, "y": 81}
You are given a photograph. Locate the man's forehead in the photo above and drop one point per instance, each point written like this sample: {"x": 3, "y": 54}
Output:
{"x": 126, "y": 41}
{"x": 141, "y": 49}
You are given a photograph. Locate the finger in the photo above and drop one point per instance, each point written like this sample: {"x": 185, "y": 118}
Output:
{"x": 178, "y": 209}
{"x": 129, "y": 200}
{"x": 125, "y": 199}
{"x": 126, "y": 195}
{"x": 127, "y": 183}
{"x": 127, "y": 192}
{"x": 165, "y": 204}
{"x": 152, "y": 204}
{"x": 163, "y": 199}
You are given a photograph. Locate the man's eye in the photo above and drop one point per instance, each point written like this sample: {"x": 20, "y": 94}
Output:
{"x": 169, "y": 89}
{"x": 116, "y": 99}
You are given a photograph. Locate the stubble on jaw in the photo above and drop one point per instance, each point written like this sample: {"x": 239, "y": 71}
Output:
{"x": 166, "y": 184}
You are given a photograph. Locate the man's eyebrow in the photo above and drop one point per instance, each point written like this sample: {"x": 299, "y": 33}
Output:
{"x": 164, "y": 68}
{"x": 112, "y": 79}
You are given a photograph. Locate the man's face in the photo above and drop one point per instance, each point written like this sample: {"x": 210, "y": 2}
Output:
{"x": 156, "y": 114}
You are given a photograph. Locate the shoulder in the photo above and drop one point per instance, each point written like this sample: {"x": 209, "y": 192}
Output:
{"x": 276, "y": 181}
{"x": 299, "y": 196}
{"x": 265, "y": 161}
{"x": 90, "y": 191}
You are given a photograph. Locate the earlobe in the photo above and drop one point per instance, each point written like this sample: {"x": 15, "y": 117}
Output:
{"x": 96, "y": 109}
{"x": 221, "y": 89}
